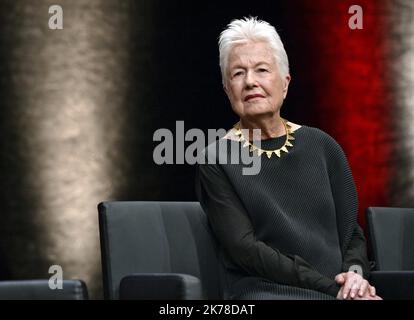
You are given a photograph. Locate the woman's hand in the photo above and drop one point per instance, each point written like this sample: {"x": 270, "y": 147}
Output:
{"x": 367, "y": 296}
{"x": 354, "y": 286}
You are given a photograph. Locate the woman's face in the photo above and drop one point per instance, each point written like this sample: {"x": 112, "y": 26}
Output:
{"x": 254, "y": 85}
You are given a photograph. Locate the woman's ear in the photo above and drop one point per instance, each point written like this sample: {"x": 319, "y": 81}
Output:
{"x": 287, "y": 81}
{"x": 286, "y": 85}
{"x": 225, "y": 89}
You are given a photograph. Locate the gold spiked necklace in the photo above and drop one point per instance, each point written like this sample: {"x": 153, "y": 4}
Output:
{"x": 269, "y": 153}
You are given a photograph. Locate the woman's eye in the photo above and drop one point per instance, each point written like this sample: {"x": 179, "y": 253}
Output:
{"x": 238, "y": 73}
{"x": 262, "y": 70}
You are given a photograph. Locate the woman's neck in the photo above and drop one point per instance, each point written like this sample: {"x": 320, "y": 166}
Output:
{"x": 270, "y": 127}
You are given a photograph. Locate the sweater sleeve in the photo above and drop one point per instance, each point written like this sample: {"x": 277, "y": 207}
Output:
{"x": 353, "y": 243}
{"x": 234, "y": 231}
{"x": 355, "y": 254}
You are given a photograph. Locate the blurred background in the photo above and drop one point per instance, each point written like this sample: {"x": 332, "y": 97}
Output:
{"x": 79, "y": 107}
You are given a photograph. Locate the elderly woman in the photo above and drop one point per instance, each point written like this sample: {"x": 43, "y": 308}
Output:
{"x": 291, "y": 230}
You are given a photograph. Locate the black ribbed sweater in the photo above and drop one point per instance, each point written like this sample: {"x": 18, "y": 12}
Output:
{"x": 294, "y": 223}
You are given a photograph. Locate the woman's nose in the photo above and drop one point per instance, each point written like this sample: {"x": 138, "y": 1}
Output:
{"x": 250, "y": 79}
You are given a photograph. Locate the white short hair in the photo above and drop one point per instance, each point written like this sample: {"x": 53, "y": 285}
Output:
{"x": 241, "y": 31}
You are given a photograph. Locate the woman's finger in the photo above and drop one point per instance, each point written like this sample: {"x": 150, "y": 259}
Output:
{"x": 348, "y": 286}
{"x": 340, "y": 278}
{"x": 363, "y": 288}
{"x": 354, "y": 289}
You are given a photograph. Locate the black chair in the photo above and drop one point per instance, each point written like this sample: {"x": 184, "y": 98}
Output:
{"x": 165, "y": 250}
{"x": 158, "y": 250}
{"x": 391, "y": 235}
{"x": 40, "y": 290}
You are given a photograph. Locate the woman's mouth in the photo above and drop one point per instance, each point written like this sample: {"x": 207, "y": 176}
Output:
{"x": 253, "y": 96}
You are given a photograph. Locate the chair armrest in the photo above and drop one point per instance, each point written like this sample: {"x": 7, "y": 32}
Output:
{"x": 40, "y": 290}
{"x": 394, "y": 285}
{"x": 160, "y": 286}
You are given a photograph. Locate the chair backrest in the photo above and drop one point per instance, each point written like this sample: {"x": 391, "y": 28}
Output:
{"x": 391, "y": 233}
{"x": 40, "y": 290}
{"x": 157, "y": 237}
